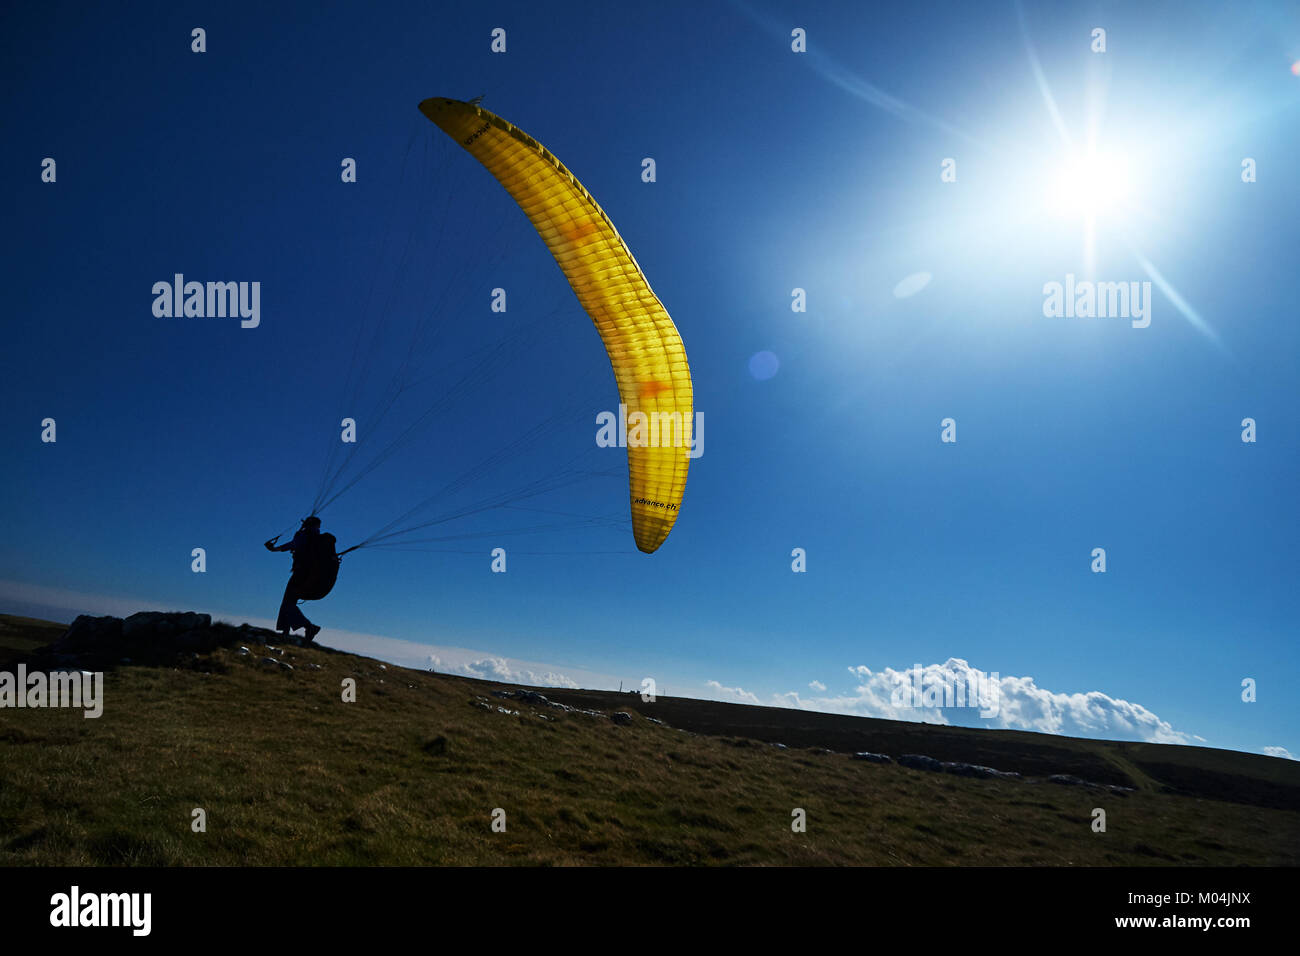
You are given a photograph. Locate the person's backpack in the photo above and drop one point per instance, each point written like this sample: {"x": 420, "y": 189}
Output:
{"x": 319, "y": 568}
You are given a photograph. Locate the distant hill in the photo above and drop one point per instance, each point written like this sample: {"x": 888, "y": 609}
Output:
{"x": 206, "y": 715}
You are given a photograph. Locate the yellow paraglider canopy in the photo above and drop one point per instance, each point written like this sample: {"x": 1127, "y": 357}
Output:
{"x": 644, "y": 347}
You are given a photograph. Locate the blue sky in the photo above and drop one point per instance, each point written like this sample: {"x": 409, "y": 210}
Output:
{"x": 776, "y": 170}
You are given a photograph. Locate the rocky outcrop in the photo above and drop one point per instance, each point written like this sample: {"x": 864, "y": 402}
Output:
{"x": 154, "y": 636}
{"x": 921, "y": 762}
{"x": 1069, "y": 780}
{"x": 540, "y": 700}
{"x": 870, "y": 757}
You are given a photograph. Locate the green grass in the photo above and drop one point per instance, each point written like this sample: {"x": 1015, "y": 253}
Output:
{"x": 410, "y": 774}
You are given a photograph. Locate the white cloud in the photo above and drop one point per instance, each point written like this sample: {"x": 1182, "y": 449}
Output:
{"x": 732, "y": 693}
{"x": 817, "y": 685}
{"x": 1280, "y": 752}
{"x": 501, "y": 669}
{"x": 1021, "y": 705}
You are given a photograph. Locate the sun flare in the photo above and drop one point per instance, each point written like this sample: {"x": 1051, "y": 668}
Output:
{"x": 1092, "y": 185}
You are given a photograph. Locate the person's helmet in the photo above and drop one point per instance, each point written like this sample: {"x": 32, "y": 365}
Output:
{"x": 311, "y": 522}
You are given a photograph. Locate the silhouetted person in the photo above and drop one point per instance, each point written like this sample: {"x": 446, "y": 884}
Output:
{"x": 305, "y": 546}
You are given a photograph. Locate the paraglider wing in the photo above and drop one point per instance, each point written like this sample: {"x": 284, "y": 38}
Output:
{"x": 643, "y": 345}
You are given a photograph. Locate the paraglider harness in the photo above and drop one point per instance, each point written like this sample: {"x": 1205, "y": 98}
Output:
{"x": 321, "y": 569}
{"x": 316, "y": 568}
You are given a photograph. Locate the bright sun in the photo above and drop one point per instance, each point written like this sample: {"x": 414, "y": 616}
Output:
{"x": 1091, "y": 186}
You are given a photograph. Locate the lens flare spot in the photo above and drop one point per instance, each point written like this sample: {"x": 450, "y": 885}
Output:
{"x": 763, "y": 365}
{"x": 912, "y": 285}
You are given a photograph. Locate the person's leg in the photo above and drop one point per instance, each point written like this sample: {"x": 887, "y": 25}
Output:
{"x": 291, "y": 618}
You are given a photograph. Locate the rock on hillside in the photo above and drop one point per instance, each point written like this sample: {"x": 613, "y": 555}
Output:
{"x": 149, "y": 636}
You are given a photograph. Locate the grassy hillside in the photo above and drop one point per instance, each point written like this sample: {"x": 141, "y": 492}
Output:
{"x": 411, "y": 772}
